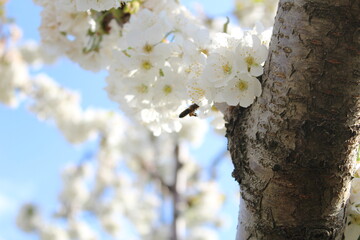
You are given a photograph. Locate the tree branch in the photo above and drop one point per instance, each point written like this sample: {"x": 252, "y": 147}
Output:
{"x": 294, "y": 148}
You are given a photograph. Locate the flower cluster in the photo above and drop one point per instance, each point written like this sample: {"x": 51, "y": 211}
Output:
{"x": 159, "y": 57}
{"x": 176, "y": 60}
{"x": 82, "y": 35}
{"x": 106, "y": 188}
{"x": 14, "y": 72}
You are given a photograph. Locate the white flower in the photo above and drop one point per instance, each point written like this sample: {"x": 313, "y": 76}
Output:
{"x": 223, "y": 40}
{"x": 28, "y": 218}
{"x": 53, "y": 233}
{"x": 241, "y": 90}
{"x": 110, "y": 223}
{"x": 134, "y": 62}
{"x": 352, "y": 231}
{"x": 83, "y": 5}
{"x": 169, "y": 88}
{"x": 65, "y": 5}
{"x": 81, "y": 230}
{"x": 63, "y": 106}
{"x": 192, "y": 59}
{"x": 263, "y": 33}
{"x": 157, "y": 6}
{"x": 14, "y": 76}
{"x": 65, "y": 31}
{"x": 252, "y": 55}
{"x": 135, "y": 90}
{"x": 52, "y": 41}
{"x": 33, "y": 54}
{"x": 150, "y": 26}
{"x": 249, "y": 12}
{"x": 161, "y": 119}
{"x": 220, "y": 68}
{"x": 355, "y": 190}
{"x": 196, "y": 92}
{"x": 354, "y": 210}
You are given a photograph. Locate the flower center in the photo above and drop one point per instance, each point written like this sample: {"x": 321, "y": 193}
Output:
{"x": 204, "y": 51}
{"x": 142, "y": 88}
{"x": 167, "y": 89}
{"x": 214, "y": 109}
{"x": 250, "y": 60}
{"x": 242, "y": 85}
{"x": 226, "y": 68}
{"x": 146, "y": 65}
{"x": 196, "y": 93}
{"x": 148, "y": 48}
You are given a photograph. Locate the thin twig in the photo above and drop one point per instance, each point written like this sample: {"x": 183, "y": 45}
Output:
{"x": 216, "y": 161}
{"x": 175, "y": 195}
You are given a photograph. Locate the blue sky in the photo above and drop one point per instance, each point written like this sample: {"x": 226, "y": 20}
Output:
{"x": 32, "y": 152}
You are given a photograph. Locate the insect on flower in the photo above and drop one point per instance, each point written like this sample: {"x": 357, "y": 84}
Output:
{"x": 190, "y": 110}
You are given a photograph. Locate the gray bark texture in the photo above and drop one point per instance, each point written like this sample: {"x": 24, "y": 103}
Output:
{"x": 294, "y": 149}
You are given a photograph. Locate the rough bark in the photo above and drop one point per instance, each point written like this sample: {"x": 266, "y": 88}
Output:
{"x": 294, "y": 148}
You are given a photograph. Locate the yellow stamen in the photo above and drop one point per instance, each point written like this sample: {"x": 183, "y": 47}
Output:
{"x": 167, "y": 89}
{"x": 142, "y": 88}
{"x": 148, "y": 48}
{"x": 250, "y": 60}
{"x": 214, "y": 109}
{"x": 204, "y": 51}
{"x": 227, "y": 68}
{"x": 242, "y": 85}
{"x": 146, "y": 65}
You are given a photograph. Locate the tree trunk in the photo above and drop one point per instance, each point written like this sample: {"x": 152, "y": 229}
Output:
{"x": 294, "y": 149}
